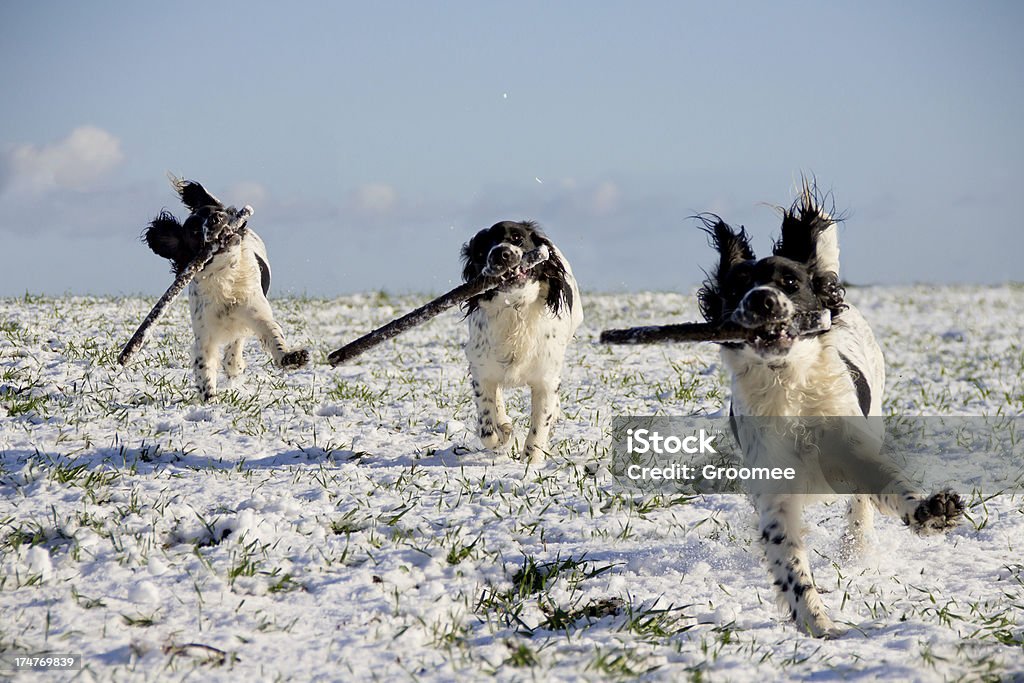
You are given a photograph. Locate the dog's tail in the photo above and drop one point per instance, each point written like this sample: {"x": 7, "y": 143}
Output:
{"x": 168, "y": 238}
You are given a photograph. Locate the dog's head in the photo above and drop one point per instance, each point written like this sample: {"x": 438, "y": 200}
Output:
{"x": 800, "y": 278}
{"x": 182, "y": 242}
{"x": 502, "y": 245}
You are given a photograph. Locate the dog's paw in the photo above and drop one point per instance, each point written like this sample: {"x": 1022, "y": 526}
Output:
{"x": 941, "y": 512}
{"x": 535, "y": 453}
{"x": 504, "y": 434}
{"x": 830, "y": 633}
{"x": 819, "y": 626}
{"x": 494, "y": 436}
{"x": 294, "y": 359}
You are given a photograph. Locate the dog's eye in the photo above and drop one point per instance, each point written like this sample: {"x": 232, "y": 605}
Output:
{"x": 516, "y": 239}
{"x": 790, "y": 283}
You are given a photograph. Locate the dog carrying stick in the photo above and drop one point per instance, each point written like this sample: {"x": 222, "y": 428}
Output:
{"x": 433, "y": 308}
{"x": 807, "y": 324}
{"x": 235, "y": 226}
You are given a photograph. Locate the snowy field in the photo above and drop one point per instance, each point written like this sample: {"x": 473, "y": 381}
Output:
{"x": 343, "y": 524}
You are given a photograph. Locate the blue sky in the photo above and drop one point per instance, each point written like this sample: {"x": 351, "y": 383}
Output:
{"x": 373, "y": 139}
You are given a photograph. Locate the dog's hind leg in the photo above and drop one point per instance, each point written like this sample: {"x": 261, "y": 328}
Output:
{"x": 781, "y": 535}
{"x": 493, "y": 425}
{"x": 544, "y": 410}
{"x": 261, "y": 320}
{"x": 860, "y": 518}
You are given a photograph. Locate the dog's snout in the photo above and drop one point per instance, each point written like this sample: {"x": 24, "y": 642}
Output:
{"x": 504, "y": 256}
{"x": 763, "y": 302}
{"x": 763, "y": 305}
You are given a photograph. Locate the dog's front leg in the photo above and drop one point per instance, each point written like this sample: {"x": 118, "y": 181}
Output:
{"x": 234, "y": 362}
{"x": 205, "y": 364}
{"x": 544, "y": 410}
{"x": 924, "y": 514}
{"x": 260, "y": 319}
{"x": 781, "y": 535}
{"x": 493, "y": 426}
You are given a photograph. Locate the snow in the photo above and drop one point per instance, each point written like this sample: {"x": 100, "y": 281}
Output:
{"x": 343, "y": 524}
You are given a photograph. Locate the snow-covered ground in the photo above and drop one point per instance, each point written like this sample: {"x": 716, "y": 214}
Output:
{"x": 343, "y": 524}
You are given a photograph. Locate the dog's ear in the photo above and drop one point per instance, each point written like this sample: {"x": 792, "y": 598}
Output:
{"x": 559, "y": 297}
{"x": 474, "y": 254}
{"x": 733, "y": 248}
{"x": 474, "y": 258}
{"x": 165, "y": 237}
{"x": 810, "y": 235}
{"x": 193, "y": 195}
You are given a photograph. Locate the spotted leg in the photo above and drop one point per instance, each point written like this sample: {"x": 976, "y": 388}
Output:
{"x": 234, "y": 362}
{"x": 781, "y": 535}
{"x": 261, "y": 320}
{"x": 205, "y": 364}
{"x": 924, "y": 514}
{"x": 493, "y": 425}
{"x": 544, "y": 410}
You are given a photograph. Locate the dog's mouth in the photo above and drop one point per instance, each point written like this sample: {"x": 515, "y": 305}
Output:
{"x": 506, "y": 262}
{"x": 517, "y": 277}
{"x": 766, "y": 336}
{"x": 773, "y": 338}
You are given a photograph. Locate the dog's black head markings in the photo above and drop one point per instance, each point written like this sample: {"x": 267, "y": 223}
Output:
{"x": 800, "y": 278}
{"x": 502, "y": 244}
{"x": 180, "y": 242}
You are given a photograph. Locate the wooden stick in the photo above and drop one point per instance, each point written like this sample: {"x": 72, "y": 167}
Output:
{"x": 803, "y": 325}
{"x": 235, "y": 226}
{"x": 435, "y": 307}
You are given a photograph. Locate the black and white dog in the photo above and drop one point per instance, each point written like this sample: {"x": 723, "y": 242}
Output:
{"x": 228, "y": 298}
{"x": 518, "y": 333}
{"x": 839, "y": 372}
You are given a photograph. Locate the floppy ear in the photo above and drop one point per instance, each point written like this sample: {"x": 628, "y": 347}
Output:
{"x": 474, "y": 255}
{"x": 552, "y": 271}
{"x": 193, "y": 195}
{"x": 810, "y": 235}
{"x": 733, "y": 248}
{"x": 165, "y": 237}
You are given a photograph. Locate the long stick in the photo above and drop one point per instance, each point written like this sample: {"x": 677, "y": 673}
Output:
{"x": 433, "y": 308}
{"x": 802, "y": 325}
{"x": 235, "y": 226}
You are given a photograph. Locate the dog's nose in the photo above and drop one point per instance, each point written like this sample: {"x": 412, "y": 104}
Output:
{"x": 763, "y": 302}
{"x": 503, "y": 256}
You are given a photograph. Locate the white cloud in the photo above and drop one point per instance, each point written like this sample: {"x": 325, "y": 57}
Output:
{"x": 77, "y": 162}
{"x": 375, "y": 198}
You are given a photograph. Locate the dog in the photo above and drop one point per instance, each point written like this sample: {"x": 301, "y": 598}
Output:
{"x": 518, "y": 332}
{"x": 228, "y": 298}
{"x": 835, "y": 373}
